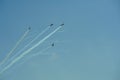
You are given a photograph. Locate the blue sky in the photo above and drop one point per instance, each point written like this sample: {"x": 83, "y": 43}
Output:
{"x": 86, "y": 48}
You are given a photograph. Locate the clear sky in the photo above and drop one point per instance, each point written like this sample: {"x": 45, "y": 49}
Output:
{"x": 86, "y": 48}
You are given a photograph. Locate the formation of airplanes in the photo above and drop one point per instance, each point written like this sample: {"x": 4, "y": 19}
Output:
{"x": 29, "y": 28}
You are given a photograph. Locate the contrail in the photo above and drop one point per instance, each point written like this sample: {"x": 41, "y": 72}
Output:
{"x": 29, "y": 50}
{"x": 32, "y": 41}
{"x": 13, "y": 49}
{"x": 34, "y": 55}
{"x": 38, "y": 53}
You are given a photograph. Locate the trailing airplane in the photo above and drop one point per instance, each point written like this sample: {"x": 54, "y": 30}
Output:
{"x": 52, "y": 44}
{"x": 29, "y": 28}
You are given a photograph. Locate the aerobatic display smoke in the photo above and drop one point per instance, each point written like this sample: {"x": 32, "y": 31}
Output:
{"x": 46, "y": 29}
{"x": 29, "y": 50}
{"x": 13, "y": 49}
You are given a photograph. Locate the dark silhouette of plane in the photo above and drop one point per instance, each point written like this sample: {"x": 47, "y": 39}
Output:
{"x": 51, "y": 24}
{"x": 52, "y": 44}
{"x": 29, "y": 28}
{"x": 62, "y": 24}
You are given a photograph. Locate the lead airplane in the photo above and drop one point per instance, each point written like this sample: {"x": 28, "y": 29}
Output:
{"x": 51, "y": 24}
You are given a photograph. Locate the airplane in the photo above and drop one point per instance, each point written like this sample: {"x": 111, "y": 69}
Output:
{"x": 29, "y": 28}
{"x": 52, "y": 44}
{"x": 62, "y": 24}
{"x": 51, "y": 24}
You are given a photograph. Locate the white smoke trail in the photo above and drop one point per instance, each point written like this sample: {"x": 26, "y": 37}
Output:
{"x": 13, "y": 49}
{"x": 29, "y": 50}
{"x": 30, "y": 42}
{"x": 34, "y": 55}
